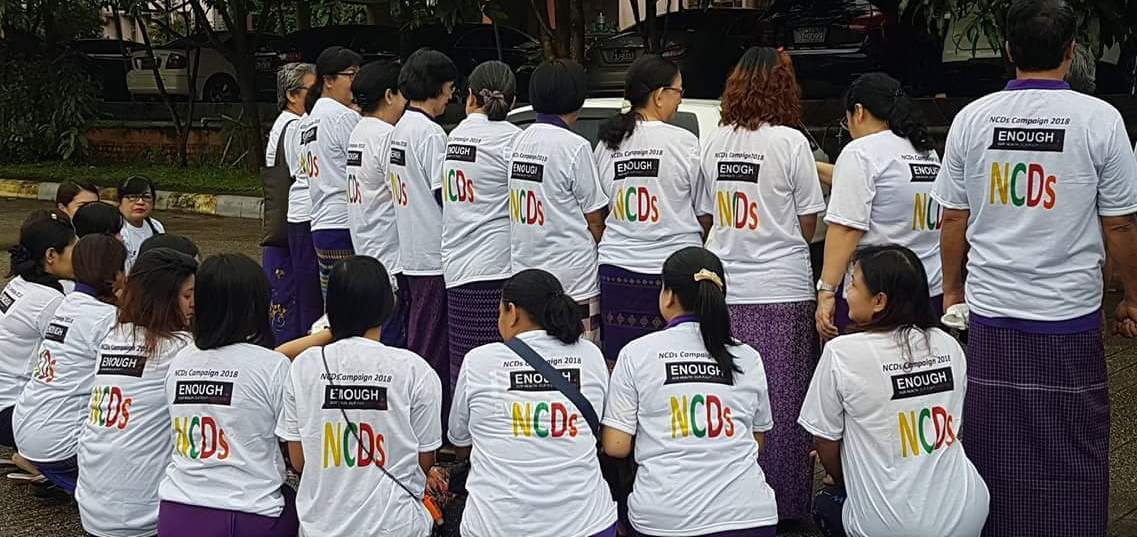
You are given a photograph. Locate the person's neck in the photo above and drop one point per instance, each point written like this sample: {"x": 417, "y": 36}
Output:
{"x": 874, "y": 128}
{"x": 672, "y": 314}
{"x": 386, "y": 114}
{"x": 1052, "y": 74}
{"x": 427, "y": 107}
{"x": 373, "y": 334}
{"x": 135, "y": 223}
{"x": 342, "y": 99}
{"x": 649, "y": 114}
{"x": 296, "y": 109}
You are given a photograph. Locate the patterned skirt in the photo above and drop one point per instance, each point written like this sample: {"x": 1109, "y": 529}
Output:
{"x": 1036, "y": 426}
{"x": 331, "y": 246}
{"x": 629, "y": 307}
{"x": 427, "y": 332}
{"x": 786, "y": 337}
{"x": 472, "y": 310}
{"x": 285, "y": 323}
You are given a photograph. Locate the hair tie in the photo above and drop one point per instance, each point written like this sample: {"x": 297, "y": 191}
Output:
{"x": 705, "y": 274}
{"x": 488, "y": 94}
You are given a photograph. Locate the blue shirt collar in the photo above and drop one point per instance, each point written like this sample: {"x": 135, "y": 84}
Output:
{"x": 86, "y": 289}
{"x": 680, "y": 320}
{"x": 1037, "y": 83}
{"x": 552, "y": 119}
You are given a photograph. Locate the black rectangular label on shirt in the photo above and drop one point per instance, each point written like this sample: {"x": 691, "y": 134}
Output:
{"x": 1018, "y": 139}
{"x": 398, "y": 156}
{"x": 6, "y": 301}
{"x": 529, "y": 380}
{"x": 527, "y": 171}
{"x": 462, "y": 153}
{"x": 746, "y": 172}
{"x": 355, "y": 157}
{"x": 308, "y": 136}
{"x": 355, "y": 397}
{"x": 122, "y": 364}
{"x": 56, "y": 332}
{"x": 203, "y": 392}
{"x": 696, "y": 372}
{"x": 922, "y": 383}
{"x": 924, "y": 173}
{"x": 637, "y": 167}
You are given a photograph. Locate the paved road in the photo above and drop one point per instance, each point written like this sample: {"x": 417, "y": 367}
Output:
{"x": 25, "y": 515}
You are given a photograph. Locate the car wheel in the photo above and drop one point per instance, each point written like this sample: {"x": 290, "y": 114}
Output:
{"x": 220, "y": 89}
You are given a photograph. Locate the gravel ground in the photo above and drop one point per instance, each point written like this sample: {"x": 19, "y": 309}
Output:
{"x": 26, "y": 515}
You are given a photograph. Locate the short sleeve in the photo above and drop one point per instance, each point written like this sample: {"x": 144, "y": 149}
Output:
{"x": 603, "y": 169}
{"x": 823, "y": 411}
{"x": 621, "y": 411}
{"x": 808, "y": 197}
{"x": 287, "y": 422}
{"x": 434, "y": 151}
{"x": 705, "y": 199}
{"x": 854, "y": 187}
{"x": 763, "y": 420}
{"x": 1117, "y": 183}
{"x": 586, "y": 182}
{"x": 950, "y": 188}
{"x": 278, "y": 383}
{"x": 693, "y": 165}
{"x": 459, "y": 426}
{"x": 426, "y": 409}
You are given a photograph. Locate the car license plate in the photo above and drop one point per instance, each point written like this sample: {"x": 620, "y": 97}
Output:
{"x": 264, "y": 64}
{"x": 810, "y": 35}
{"x": 619, "y": 55}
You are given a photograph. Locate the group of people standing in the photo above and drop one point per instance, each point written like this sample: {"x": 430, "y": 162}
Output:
{"x": 527, "y": 298}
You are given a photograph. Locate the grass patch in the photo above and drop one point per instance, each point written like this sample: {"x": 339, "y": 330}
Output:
{"x": 197, "y": 179}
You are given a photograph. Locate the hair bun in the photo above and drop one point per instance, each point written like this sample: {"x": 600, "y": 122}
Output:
{"x": 21, "y": 256}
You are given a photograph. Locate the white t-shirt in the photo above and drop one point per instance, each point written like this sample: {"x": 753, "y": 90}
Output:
{"x": 26, "y": 310}
{"x": 899, "y": 421}
{"x": 652, "y": 181}
{"x": 758, "y": 184}
{"x": 475, "y": 190}
{"x": 126, "y": 442}
{"x": 880, "y": 186}
{"x": 224, "y": 404}
{"x": 299, "y": 200}
{"x": 51, "y": 410}
{"x": 324, "y": 138}
{"x": 694, "y": 428}
{"x": 1037, "y": 168}
{"x": 133, "y": 237}
{"x": 393, "y": 402}
{"x": 553, "y": 183}
{"x": 533, "y": 467}
{"x": 274, "y": 135}
{"x": 418, "y": 147}
{"x": 370, "y": 209}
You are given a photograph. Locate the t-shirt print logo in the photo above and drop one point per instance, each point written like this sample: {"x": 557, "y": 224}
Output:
{"x": 746, "y": 172}
{"x": 203, "y": 392}
{"x": 696, "y": 372}
{"x": 922, "y": 383}
{"x": 355, "y": 397}
{"x": 308, "y": 136}
{"x": 924, "y": 173}
{"x": 529, "y": 380}
{"x": 527, "y": 171}
{"x": 462, "y": 153}
{"x": 1017, "y": 139}
{"x": 56, "y": 332}
{"x": 6, "y": 301}
{"x": 122, "y": 364}
{"x": 355, "y": 158}
{"x": 637, "y": 167}
{"x": 398, "y": 156}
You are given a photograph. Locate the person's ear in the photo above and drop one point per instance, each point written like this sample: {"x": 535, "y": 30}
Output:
{"x": 1007, "y": 50}
{"x": 50, "y": 256}
{"x": 510, "y": 315}
{"x": 1070, "y": 52}
{"x": 669, "y": 298}
{"x": 879, "y": 303}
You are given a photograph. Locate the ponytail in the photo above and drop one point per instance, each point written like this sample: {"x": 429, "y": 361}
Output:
{"x": 884, "y": 97}
{"x": 41, "y": 231}
{"x": 696, "y": 277}
{"x": 646, "y": 75}
{"x": 541, "y": 296}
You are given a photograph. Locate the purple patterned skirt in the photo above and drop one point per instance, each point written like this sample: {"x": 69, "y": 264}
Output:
{"x": 629, "y": 307}
{"x": 427, "y": 331}
{"x": 786, "y": 337}
{"x": 472, "y": 311}
{"x": 1036, "y": 426}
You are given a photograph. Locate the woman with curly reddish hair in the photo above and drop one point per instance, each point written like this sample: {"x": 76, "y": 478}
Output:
{"x": 764, "y": 195}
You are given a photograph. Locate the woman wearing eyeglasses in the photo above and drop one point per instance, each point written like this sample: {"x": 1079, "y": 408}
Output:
{"x": 136, "y": 197}
{"x": 650, "y": 171}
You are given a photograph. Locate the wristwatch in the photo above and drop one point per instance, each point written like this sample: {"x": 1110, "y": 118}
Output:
{"x": 823, "y": 287}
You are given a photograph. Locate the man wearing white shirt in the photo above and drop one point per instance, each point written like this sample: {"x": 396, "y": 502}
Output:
{"x": 324, "y": 139}
{"x": 1037, "y": 182}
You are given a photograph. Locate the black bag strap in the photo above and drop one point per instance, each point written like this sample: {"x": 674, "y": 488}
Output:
{"x": 280, "y": 160}
{"x": 558, "y": 381}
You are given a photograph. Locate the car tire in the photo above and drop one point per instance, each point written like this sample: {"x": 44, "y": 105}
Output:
{"x": 220, "y": 88}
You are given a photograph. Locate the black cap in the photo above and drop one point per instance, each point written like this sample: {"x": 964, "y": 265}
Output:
{"x": 558, "y": 87}
{"x": 335, "y": 60}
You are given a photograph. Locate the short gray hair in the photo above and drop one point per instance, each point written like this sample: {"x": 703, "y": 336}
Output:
{"x": 290, "y": 79}
{"x": 1083, "y": 70}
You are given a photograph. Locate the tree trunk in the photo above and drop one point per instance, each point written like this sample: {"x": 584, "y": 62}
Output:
{"x": 183, "y": 142}
{"x": 564, "y": 27}
{"x": 158, "y": 76}
{"x": 650, "y": 16}
{"x": 548, "y": 45}
{"x": 243, "y": 61}
{"x": 576, "y": 41}
{"x": 303, "y": 15}
{"x": 50, "y": 31}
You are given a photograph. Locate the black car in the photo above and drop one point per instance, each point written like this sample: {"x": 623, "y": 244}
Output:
{"x": 108, "y": 60}
{"x": 706, "y": 43}
{"x": 372, "y": 42}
